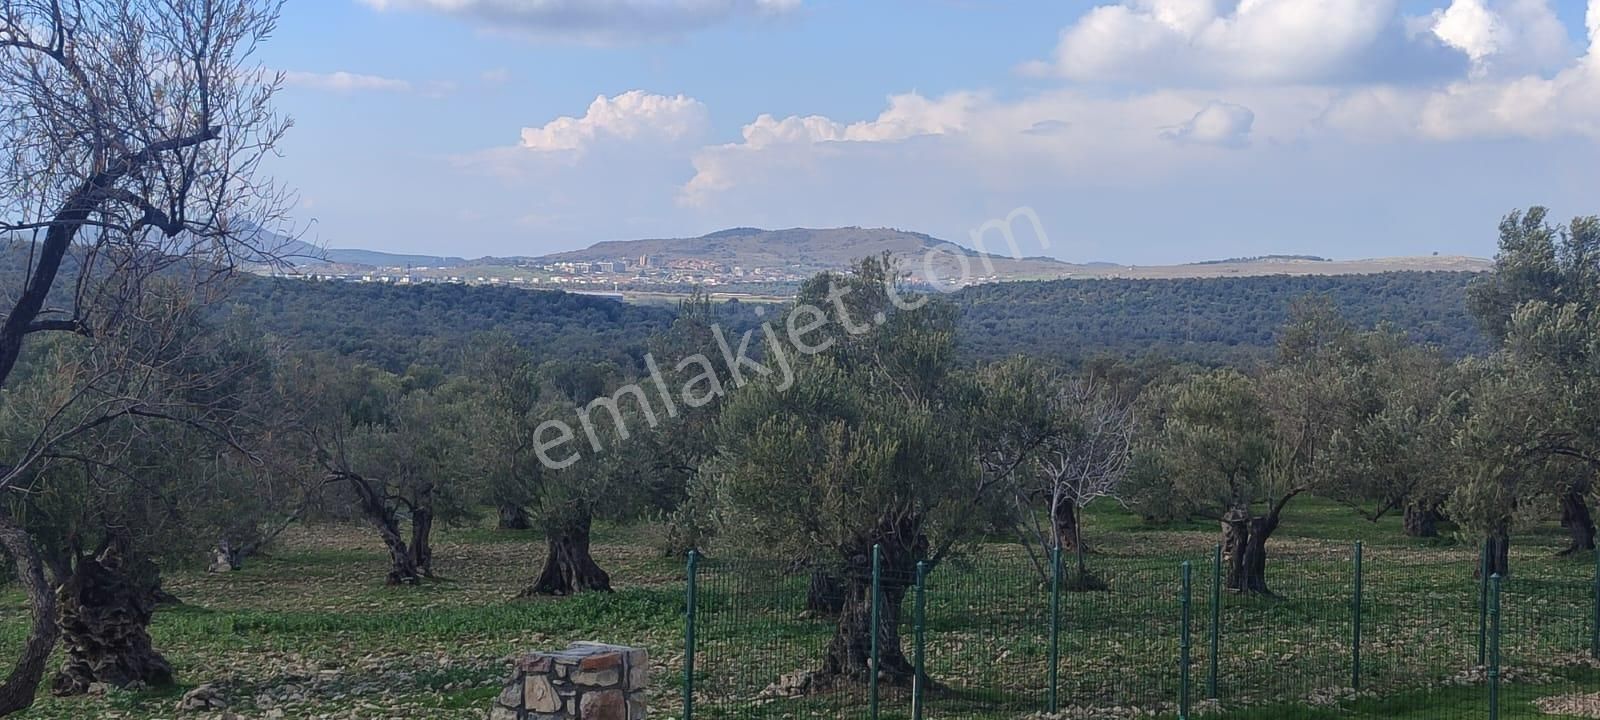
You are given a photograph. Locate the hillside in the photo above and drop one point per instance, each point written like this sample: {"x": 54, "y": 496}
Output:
{"x": 309, "y": 255}
{"x": 1208, "y": 320}
{"x": 806, "y": 251}
{"x": 735, "y": 254}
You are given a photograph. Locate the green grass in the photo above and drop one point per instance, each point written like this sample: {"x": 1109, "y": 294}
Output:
{"x": 312, "y": 631}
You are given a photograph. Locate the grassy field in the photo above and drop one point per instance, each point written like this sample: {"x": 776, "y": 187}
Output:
{"x": 311, "y": 631}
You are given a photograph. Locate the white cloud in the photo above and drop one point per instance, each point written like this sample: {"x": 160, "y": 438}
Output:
{"x": 1258, "y": 41}
{"x": 342, "y": 81}
{"x": 1506, "y": 36}
{"x": 1494, "y": 102}
{"x": 1593, "y": 21}
{"x": 1218, "y": 123}
{"x": 596, "y": 20}
{"x": 633, "y": 115}
{"x": 908, "y": 116}
{"x": 1061, "y": 135}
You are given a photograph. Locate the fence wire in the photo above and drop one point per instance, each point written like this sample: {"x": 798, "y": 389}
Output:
{"x": 1355, "y": 633}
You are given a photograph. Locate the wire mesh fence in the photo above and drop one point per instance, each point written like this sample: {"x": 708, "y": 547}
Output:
{"x": 1356, "y": 633}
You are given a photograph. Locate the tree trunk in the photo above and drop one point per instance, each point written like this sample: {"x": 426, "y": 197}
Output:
{"x": 825, "y": 594}
{"x": 901, "y": 544}
{"x": 568, "y": 566}
{"x": 1421, "y": 522}
{"x": 19, "y": 688}
{"x": 1066, "y": 524}
{"x": 422, "y": 540}
{"x": 514, "y": 517}
{"x": 1244, "y": 543}
{"x": 402, "y": 568}
{"x": 1579, "y": 523}
{"x": 104, "y": 614}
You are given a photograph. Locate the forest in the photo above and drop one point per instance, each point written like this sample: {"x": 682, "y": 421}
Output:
{"x": 1205, "y": 321}
{"x": 1211, "y": 320}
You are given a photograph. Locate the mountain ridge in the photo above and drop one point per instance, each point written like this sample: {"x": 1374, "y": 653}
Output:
{"x": 807, "y": 251}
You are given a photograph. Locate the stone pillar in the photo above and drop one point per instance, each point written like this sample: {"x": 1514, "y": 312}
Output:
{"x": 587, "y": 681}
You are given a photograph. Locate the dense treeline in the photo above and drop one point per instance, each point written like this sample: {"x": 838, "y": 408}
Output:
{"x": 395, "y": 327}
{"x": 1206, "y": 320}
{"x": 1212, "y": 321}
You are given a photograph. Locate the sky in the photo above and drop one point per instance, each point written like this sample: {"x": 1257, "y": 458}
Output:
{"x": 1138, "y": 131}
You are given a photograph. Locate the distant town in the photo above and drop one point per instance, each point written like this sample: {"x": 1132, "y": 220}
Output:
{"x": 640, "y": 273}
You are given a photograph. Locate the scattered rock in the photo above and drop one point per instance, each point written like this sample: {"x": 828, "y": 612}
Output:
{"x": 205, "y": 697}
{"x": 795, "y": 684}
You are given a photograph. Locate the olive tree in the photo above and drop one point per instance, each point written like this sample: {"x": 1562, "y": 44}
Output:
{"x": 1238, "y": 449}
{"x": 515, "y": 410}
{"x": 391, "y": 445}
{"x": 1214, "y": 449}
{"x": 1541, "y": 303}
{"x": 116, "y": 439}
{"x": 133, "y": 135}
{"x": 875, "y": 439}
{"x": 1391, "y": 439}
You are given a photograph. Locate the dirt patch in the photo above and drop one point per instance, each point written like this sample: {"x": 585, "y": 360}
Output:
{"x": 1577, "y": 705}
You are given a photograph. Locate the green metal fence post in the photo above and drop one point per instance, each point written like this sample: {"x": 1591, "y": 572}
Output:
{"x": 1494, "y": 647}
{"x": 1055, "y": 625}
{"x": 920, "y": 617}
{"x": 1483, "y": 600}
{"x": 1355, "y": 625}
{"x": 1594, "y": 625}
{"x": 1183, "y": 647}
{"x": 688, "y": 637}
{"x": 873, "y": 682}
{"x": 1216, "y": 620}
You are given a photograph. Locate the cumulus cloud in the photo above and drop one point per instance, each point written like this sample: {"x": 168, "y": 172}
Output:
{"x": 1494, "y": 102}
{"x": 1060, "y": 135}
{"x": 791, "y": 139}
{"x": 596, "y": 20}
{"x": 1258, "y": 41}
{"x": 633, "y": 115}
{"x": 1218, "y": 123}
{"x": 1506, "y": 36}
{"x": 345, "y": 82}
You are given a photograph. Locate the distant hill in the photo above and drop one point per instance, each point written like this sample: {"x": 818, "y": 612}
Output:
{"x": 303, "y": 254}
{"x": 810, "y": 250}
{"x": 805, "y": 251}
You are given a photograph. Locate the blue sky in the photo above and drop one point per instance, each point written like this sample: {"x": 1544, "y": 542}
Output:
{"x": 1141, "y": 131}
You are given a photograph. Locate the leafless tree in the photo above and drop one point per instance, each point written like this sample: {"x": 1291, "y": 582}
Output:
{"x": 1084, "y": 462}
{"x": 133, "y": 133}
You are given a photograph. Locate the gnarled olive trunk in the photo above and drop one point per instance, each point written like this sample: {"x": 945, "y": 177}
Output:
{"x": 402, "y": 568}
{"x": 1579, "y": 523}
{"x": 901, "y": 544}
{"x": 514, "y": 517}
{"x": 568, "y": 566}
{"x": 104, "y": 611}
{"x": 378, "y": 512}
{"x": 1421, "y": 521}
{"x": 1244, "y": 545}
{"x": 19, "y": 688}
